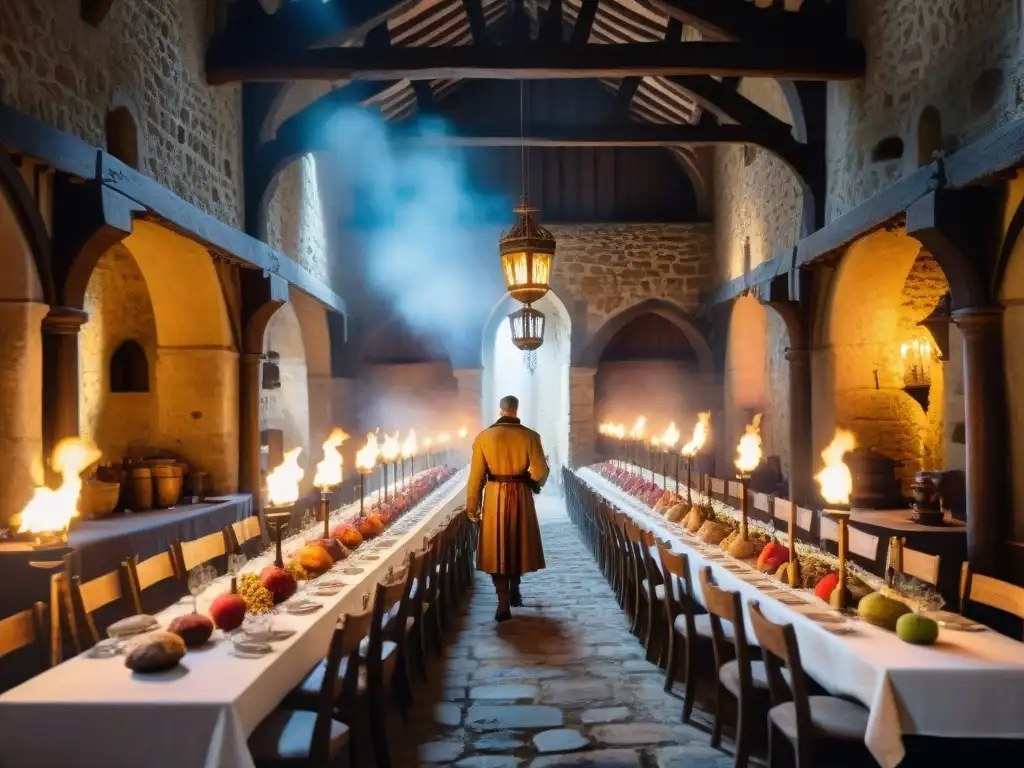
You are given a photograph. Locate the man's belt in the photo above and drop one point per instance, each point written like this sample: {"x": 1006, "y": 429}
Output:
{"x": 522, "y": 479}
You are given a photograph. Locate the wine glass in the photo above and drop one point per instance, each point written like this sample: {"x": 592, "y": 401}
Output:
{"x": 196, "y": 584}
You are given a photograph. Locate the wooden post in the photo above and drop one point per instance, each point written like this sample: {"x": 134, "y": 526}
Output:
{"x": 61, "y": 328}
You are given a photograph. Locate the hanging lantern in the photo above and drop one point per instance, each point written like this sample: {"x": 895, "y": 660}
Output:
{"x": 527, "y": 255}
{"x": 527, "y": 328}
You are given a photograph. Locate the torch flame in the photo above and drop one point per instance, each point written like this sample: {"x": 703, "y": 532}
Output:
{"x": 637, "y": 433}
{"x": 443, "y": 438}
{"x": 748, "y": 452}
{"x": 50, "y": 511}
{"x": 656, "y": 442}
{"x": 409, "y": 447}
{"x": 700, "y": 434}
{"x": 462, "y": 433}
{"x": 283, "y": 481}
{"x": 671, "y": 436}
{"x": 391, "y": 448}
{"x": 617, "y": 431}
{"x": 366, "y": 457}
{"x": 835, "y": 479}
{"x": 329, "y": 471}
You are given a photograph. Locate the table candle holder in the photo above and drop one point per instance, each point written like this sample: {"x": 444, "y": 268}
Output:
{"x": 689, "y": 480}
{"x": 744, "y": 479}
{"x": 362, "y": 491}
{"x": 793, "y": 567}
{"x": 841, "y": 598}
{"x": 325, "y": 510}
{"x": 277, "y": 520}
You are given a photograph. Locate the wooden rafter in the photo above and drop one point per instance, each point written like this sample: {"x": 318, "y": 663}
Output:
{"x": 807, "y": 61}
{"x": 477, "y": 21}
{"x": 742, "y": 20}
{"x": 624, "y": 97}
{"x": 584, "y": 23}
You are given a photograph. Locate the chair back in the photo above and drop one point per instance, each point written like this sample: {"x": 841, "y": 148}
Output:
{"x": 190, "y": 554}
{"x": 356, "y": 631}
{"x": 151, "y": 571}
{"x": 1001, "y": 595}
{"x": 24, "y": 629}
{"x": 87, "y": 597}
{"x": 679, "y": 599}
{"x": 724, "y": 605}
{"x": 863, "y": 544}
{"x": 912, "y": 562}
{"x": 385, "y": 596}
{"x": 779, "y": 647}
{"x": 242, "y": 535}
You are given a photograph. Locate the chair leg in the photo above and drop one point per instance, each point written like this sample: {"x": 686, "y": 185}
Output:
{"x": 421, "y": 646}
{"x": 744, "y": 721}
{"x": 716, "y": 728}
{"x": 672, "y": 661}
{"x": 690, "y": 692}
{"x": 378, "y": 728}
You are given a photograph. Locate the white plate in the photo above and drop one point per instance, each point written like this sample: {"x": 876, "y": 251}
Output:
{"x": 302, "y": 608}
{"x": 133, "y": 625}
{"x": 250, "y": 649}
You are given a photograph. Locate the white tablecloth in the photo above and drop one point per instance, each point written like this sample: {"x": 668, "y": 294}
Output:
{"x": 90, "y": 711}
{"x": 968, "y": 685}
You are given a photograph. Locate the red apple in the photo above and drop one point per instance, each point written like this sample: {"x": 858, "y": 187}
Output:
{"x": 228, "y": 611}
{"x": 279, "y": 582}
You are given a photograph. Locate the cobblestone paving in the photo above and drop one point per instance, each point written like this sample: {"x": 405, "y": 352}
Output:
{"x": 562, "y": 684}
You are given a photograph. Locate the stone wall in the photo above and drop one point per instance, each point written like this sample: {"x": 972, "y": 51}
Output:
{"x": 295, "y": 217}
{"x": 614, "y": 266}
{"x": 664, "y": 391}
{"x": 147, "y": 57}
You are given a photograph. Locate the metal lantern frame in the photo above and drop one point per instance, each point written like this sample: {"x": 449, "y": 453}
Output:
{"x": 527, "y": 256}
{"x": 527, "y": 326}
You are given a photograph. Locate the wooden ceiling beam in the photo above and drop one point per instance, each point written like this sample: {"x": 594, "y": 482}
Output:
{"x": 808, "y": 61}
{"x": 624, "y": 97}
{"x": 477, "y": 20}
{"x": 742, "y": 20}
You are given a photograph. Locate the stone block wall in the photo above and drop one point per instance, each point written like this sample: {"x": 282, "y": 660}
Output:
{"x": 295, "y": 217}
{"x": 611, "y": 267}
{"x": 145, "y": 56}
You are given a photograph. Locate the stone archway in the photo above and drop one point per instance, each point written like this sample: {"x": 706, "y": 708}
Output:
{"x": 746, "y": 380}
{"x": 1011, "y": 296}
{"x": 192, "y": 405}
{"x": 285, "y": 406}
{"x": 22, "y": 308}
{"x": 883, "y": 287}
{"x": 543, "y": 384}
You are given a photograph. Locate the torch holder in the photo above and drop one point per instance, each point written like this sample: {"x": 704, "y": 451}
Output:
{"x": 744, "y": 503}
{"x": 362, "y": 491}
{"x": 325, "y": 510}
{"x": 277, "y": 520}
{"x": 841, "y": 598}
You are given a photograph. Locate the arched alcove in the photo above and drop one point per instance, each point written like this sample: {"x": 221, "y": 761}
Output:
{"x": 116, "y": 346}
{"x": 129, "y": 369}
{"x": 884, "y": 287}
{"x": 286, "y": 407}
{"x": 406, "y": 381}
{"x": 746, "y": 378}
{"x": 21, "y": 385}
{"x": 1012, "y": 297}
{"x": 540, "y": 381}
{"x": 316, "y": 341}
{"x": 123, "y": 136}
{"x": 929, "y": 135}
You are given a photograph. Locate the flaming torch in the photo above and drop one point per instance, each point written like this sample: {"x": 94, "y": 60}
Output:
{"x": 409, "y": 449}
{"x": 366, "y": 462}
{"x": 329, "y": 474}
{"x": 443, "y": 439}
{"x": 49, "y": 513}
{"x": 836, "y": 486}
{"x": 463, "y": 433}
{"x": 637, "y": 435}
{"x": 690, "y": 450}
{"x": 390, "y": 450}
{"x": 669, "y": 440}
{"x": 283, "y": 492}
{"x": 426, "y": 444}
{"x": 748, "y": 456}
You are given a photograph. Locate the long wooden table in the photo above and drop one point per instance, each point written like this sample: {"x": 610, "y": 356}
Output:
{"x": 94, "y": 711}
{"x": 968, "y": 685}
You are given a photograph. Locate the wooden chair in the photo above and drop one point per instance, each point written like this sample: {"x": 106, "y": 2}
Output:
{"x": 637, "y": 575}
{"x": 1001, "y": 595}
{"x": 189, "y": 554}
{"x": 24, "y": 629}
{"x": 912, "y": 562}
{"x": 688, "y": 627}
{"x": 415, "y": 615}
{"x": 87, "y": 597}
{"x": 739, "y": 673}
{"x": 245, "y": 536}
{"x": 819, "y": 728}
{"x": 431, "y": 631}
{"x": 312, "y": 738}
{"x": 150, "y": 572}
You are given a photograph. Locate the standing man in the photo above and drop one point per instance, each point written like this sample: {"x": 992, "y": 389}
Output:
{"x": 508, "y": 460}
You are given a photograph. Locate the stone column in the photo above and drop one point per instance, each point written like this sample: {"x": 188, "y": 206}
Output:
{"x": 988, "y": 510}
{"x": 801, "y": 464}
{"x": 582, "y": 430}
{"x": 470, "y": 382}
{"x": 249, "y": 425}
{"x": 60, "y": 376}
{"x": 21, "y": 403}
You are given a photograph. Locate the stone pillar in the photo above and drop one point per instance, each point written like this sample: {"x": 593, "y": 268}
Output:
{"x": 470, "y": 399}
{"x": 21, "y": 403}
{"x": 60, "y": 376}
{"x": 249, "y": 480}
{"x": 582, "y": 430}
{"x": 801, "y": 464}
{"x": 988, "y": 509}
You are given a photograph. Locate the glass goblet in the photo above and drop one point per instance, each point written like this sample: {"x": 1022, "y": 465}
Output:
{"x": 196, "y": 584}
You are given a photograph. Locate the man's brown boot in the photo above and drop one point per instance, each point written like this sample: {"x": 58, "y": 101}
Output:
{"x": 504, "y": 612}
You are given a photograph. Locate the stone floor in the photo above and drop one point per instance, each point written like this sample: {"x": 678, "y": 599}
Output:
{"x": 563, "y": 683}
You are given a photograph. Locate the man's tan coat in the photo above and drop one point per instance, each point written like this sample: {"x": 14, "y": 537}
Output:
{"x": 510, "y": 542}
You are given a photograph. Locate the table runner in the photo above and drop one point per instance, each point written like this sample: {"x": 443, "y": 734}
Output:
{"x": 90, "y": 711}
{"x": 968, "y": 685}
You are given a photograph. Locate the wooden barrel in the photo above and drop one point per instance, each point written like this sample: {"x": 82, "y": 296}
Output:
{"x": 167, "y": 485}
{"x": 142, "y": 489}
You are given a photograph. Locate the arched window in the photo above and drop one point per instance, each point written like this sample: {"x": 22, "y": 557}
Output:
{"x": 123, "y": 136}
{"x": 889, "y": 148}
{"x": 929, "y": 135}
{"x": 129, "y": 369}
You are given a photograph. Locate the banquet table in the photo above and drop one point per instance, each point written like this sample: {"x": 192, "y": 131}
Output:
{"x": 94, "y": 711}
{"x": 968, "y": 685}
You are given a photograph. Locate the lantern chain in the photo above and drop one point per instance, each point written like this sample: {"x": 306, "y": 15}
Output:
{"x": 530, "y": 360}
